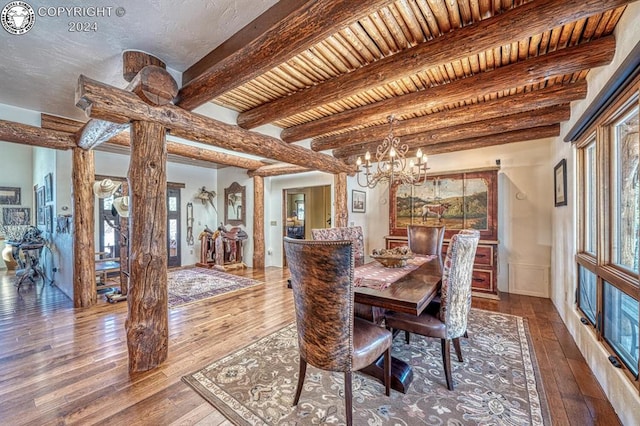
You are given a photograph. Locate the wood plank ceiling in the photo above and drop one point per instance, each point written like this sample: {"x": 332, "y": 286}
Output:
{"x": 419, "y": 59}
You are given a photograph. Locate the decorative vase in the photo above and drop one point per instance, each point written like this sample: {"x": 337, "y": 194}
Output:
{"x": 7, "y": 256}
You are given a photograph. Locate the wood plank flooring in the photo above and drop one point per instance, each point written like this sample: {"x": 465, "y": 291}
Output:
{"x": 60, "y": 365}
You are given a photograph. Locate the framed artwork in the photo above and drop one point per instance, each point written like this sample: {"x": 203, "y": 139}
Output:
{"x": 16, "y": 216}
{"x": 48, "y": 187}
{"x": 40, "y": 205}
{"x": 49, "y": 218}
{"x": 9, "y": 195}
{"x": 560, "y": 183}
{"x": 358, "y": 201}
{"x": 457, "y": 200}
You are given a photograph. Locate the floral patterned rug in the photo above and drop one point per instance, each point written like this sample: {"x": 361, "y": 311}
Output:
{"x": 192, "y": 284}
{"x": 497, "y": 384}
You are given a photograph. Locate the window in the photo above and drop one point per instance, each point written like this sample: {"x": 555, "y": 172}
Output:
{"x": 609, "y": 218}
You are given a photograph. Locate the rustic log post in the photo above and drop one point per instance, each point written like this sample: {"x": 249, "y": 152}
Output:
{"x": 84, "y": 265}
{"x": 147, "y": 323}
{"x": 258, "y": 222}
{"x": 340, "y": 195}
{"x": 124, "y": 246}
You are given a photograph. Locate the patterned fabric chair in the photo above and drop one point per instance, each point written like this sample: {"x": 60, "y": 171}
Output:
{"x": 355, "y": 235}
{"x": 329, "y": 336}
{"x": 426, "y": 240}
{"x": 449, "y": 322}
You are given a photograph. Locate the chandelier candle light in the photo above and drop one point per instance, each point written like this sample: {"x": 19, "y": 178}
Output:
{"x": 392, "y": 163}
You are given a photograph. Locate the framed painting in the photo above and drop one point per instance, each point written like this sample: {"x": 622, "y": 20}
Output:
{"x": 40, "y": 206}
{"x": 48, "y": 187}
{"x": 16, "y": 216}
{"x": 457, "y": 200}
{"x": 358, "y": 201}
{"x": 9, "y": 195}
{"x": 234, "y": 212}
{"x": 560, "y": 183}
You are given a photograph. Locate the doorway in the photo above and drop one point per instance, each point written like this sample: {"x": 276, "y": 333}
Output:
{"x": 305, "y": 209}
{"x": 173, "y": 227}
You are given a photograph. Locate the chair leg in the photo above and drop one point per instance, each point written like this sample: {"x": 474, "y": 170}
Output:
{"x": 387, "y": 371}
{"x": 407, "y": 337}
{"x": 446, "y": 360}
{"x": 456, "y": 346}
{"x": 301, "y": 374}
{"x": 348, "y": 397}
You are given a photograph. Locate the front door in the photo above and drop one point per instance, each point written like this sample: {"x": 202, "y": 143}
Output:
{"x": 173, "y": 227}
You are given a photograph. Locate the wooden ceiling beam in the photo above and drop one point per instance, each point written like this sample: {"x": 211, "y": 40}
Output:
{"x": 105, "y": 102}
{"x": 286, "y": 29}
{"x": 564, "y": 61}
{"x": 277, "y": 170}
{"x": 513, "y": 25}
{"x": 529, "y": 101}
{"x": 179, "y": 149}
{"x": 542, "y": 117}
{"x": 529, "y": 134}
{"x": 35, "y": 136}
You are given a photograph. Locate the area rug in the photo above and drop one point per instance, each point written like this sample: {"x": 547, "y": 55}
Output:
{"x": 497, "y": 384}
{"x": 192, "y": 284}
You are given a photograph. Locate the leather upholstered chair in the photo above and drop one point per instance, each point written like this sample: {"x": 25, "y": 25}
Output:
{"x": 448, "y": 319}
{"x": 425, "y": 239}
{"x": 354, "y": 234}
{"x": 329, "y": 336}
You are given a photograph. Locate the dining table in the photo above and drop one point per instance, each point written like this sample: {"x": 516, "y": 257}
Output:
{"x": 410, "y": 292}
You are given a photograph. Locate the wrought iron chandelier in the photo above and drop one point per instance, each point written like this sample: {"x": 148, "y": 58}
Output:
{"x": 392, "y": 164}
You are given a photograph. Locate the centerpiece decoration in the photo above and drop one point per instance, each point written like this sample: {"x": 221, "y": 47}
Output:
{"x": 396, "y": 257}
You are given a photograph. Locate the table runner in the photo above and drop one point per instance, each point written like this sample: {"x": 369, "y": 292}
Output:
{"x": 374, "y": 275}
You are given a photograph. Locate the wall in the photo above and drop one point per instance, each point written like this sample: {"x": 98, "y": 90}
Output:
{"x": 623, "y": 396}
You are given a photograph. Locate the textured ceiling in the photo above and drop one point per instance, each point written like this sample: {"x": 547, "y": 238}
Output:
{"x": 39, "y": 69}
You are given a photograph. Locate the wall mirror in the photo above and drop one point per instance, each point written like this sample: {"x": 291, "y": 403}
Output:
{"x": 234, "y": 212}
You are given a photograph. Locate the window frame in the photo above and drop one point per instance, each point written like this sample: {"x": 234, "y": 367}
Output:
{"x": 601, "y": 133}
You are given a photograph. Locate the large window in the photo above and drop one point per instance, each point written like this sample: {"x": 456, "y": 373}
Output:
{"x": 609, "y": 217}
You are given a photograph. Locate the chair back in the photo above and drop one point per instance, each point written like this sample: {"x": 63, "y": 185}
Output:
{"x": 322, "y": 284}
{"x": 351, "y": 233}
{"x": 456, "y": 283}
{"x": 425, "y": 239}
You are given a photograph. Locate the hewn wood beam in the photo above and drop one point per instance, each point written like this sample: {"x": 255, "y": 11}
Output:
{"x": 565, "y": 61}
{"x": 258, "y": 222}
{"x": 149, "y": 79}
{"x": 174, "y": 148}
{"x": 84, "y": 272}
{"x": 513, "y": 25}
{"x": 35, "y": 136}
{"x": 147, "y": 324}
{"x": 542, "y": 117}
{"x": 340, "y": 196}
{"x": 277, "y": 170}
{"x": 105, "y": 102}
{"x": 286, "y": 29}
{"x": 530, "y": 101}
{"x": 522, "y": 135}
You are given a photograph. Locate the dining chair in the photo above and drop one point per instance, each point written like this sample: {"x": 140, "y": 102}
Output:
{"x": 355, "y": 235}
{"x": 425, "y": 240}
{"x": 329, "y": 336}
{"x": 448, "y": 319}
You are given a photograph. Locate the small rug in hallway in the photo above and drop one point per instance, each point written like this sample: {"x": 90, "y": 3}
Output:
{"x": 497, "y": 384}
{"x": 191, "y": 284}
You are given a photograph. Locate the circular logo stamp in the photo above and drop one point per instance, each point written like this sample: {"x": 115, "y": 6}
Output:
{"x": 17, "y": 17}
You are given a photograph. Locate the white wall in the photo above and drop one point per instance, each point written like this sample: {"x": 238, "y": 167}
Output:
{"x": 623, "y": 396}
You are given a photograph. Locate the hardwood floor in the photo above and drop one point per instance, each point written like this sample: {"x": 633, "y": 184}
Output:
{"x": 60, "y": 365}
